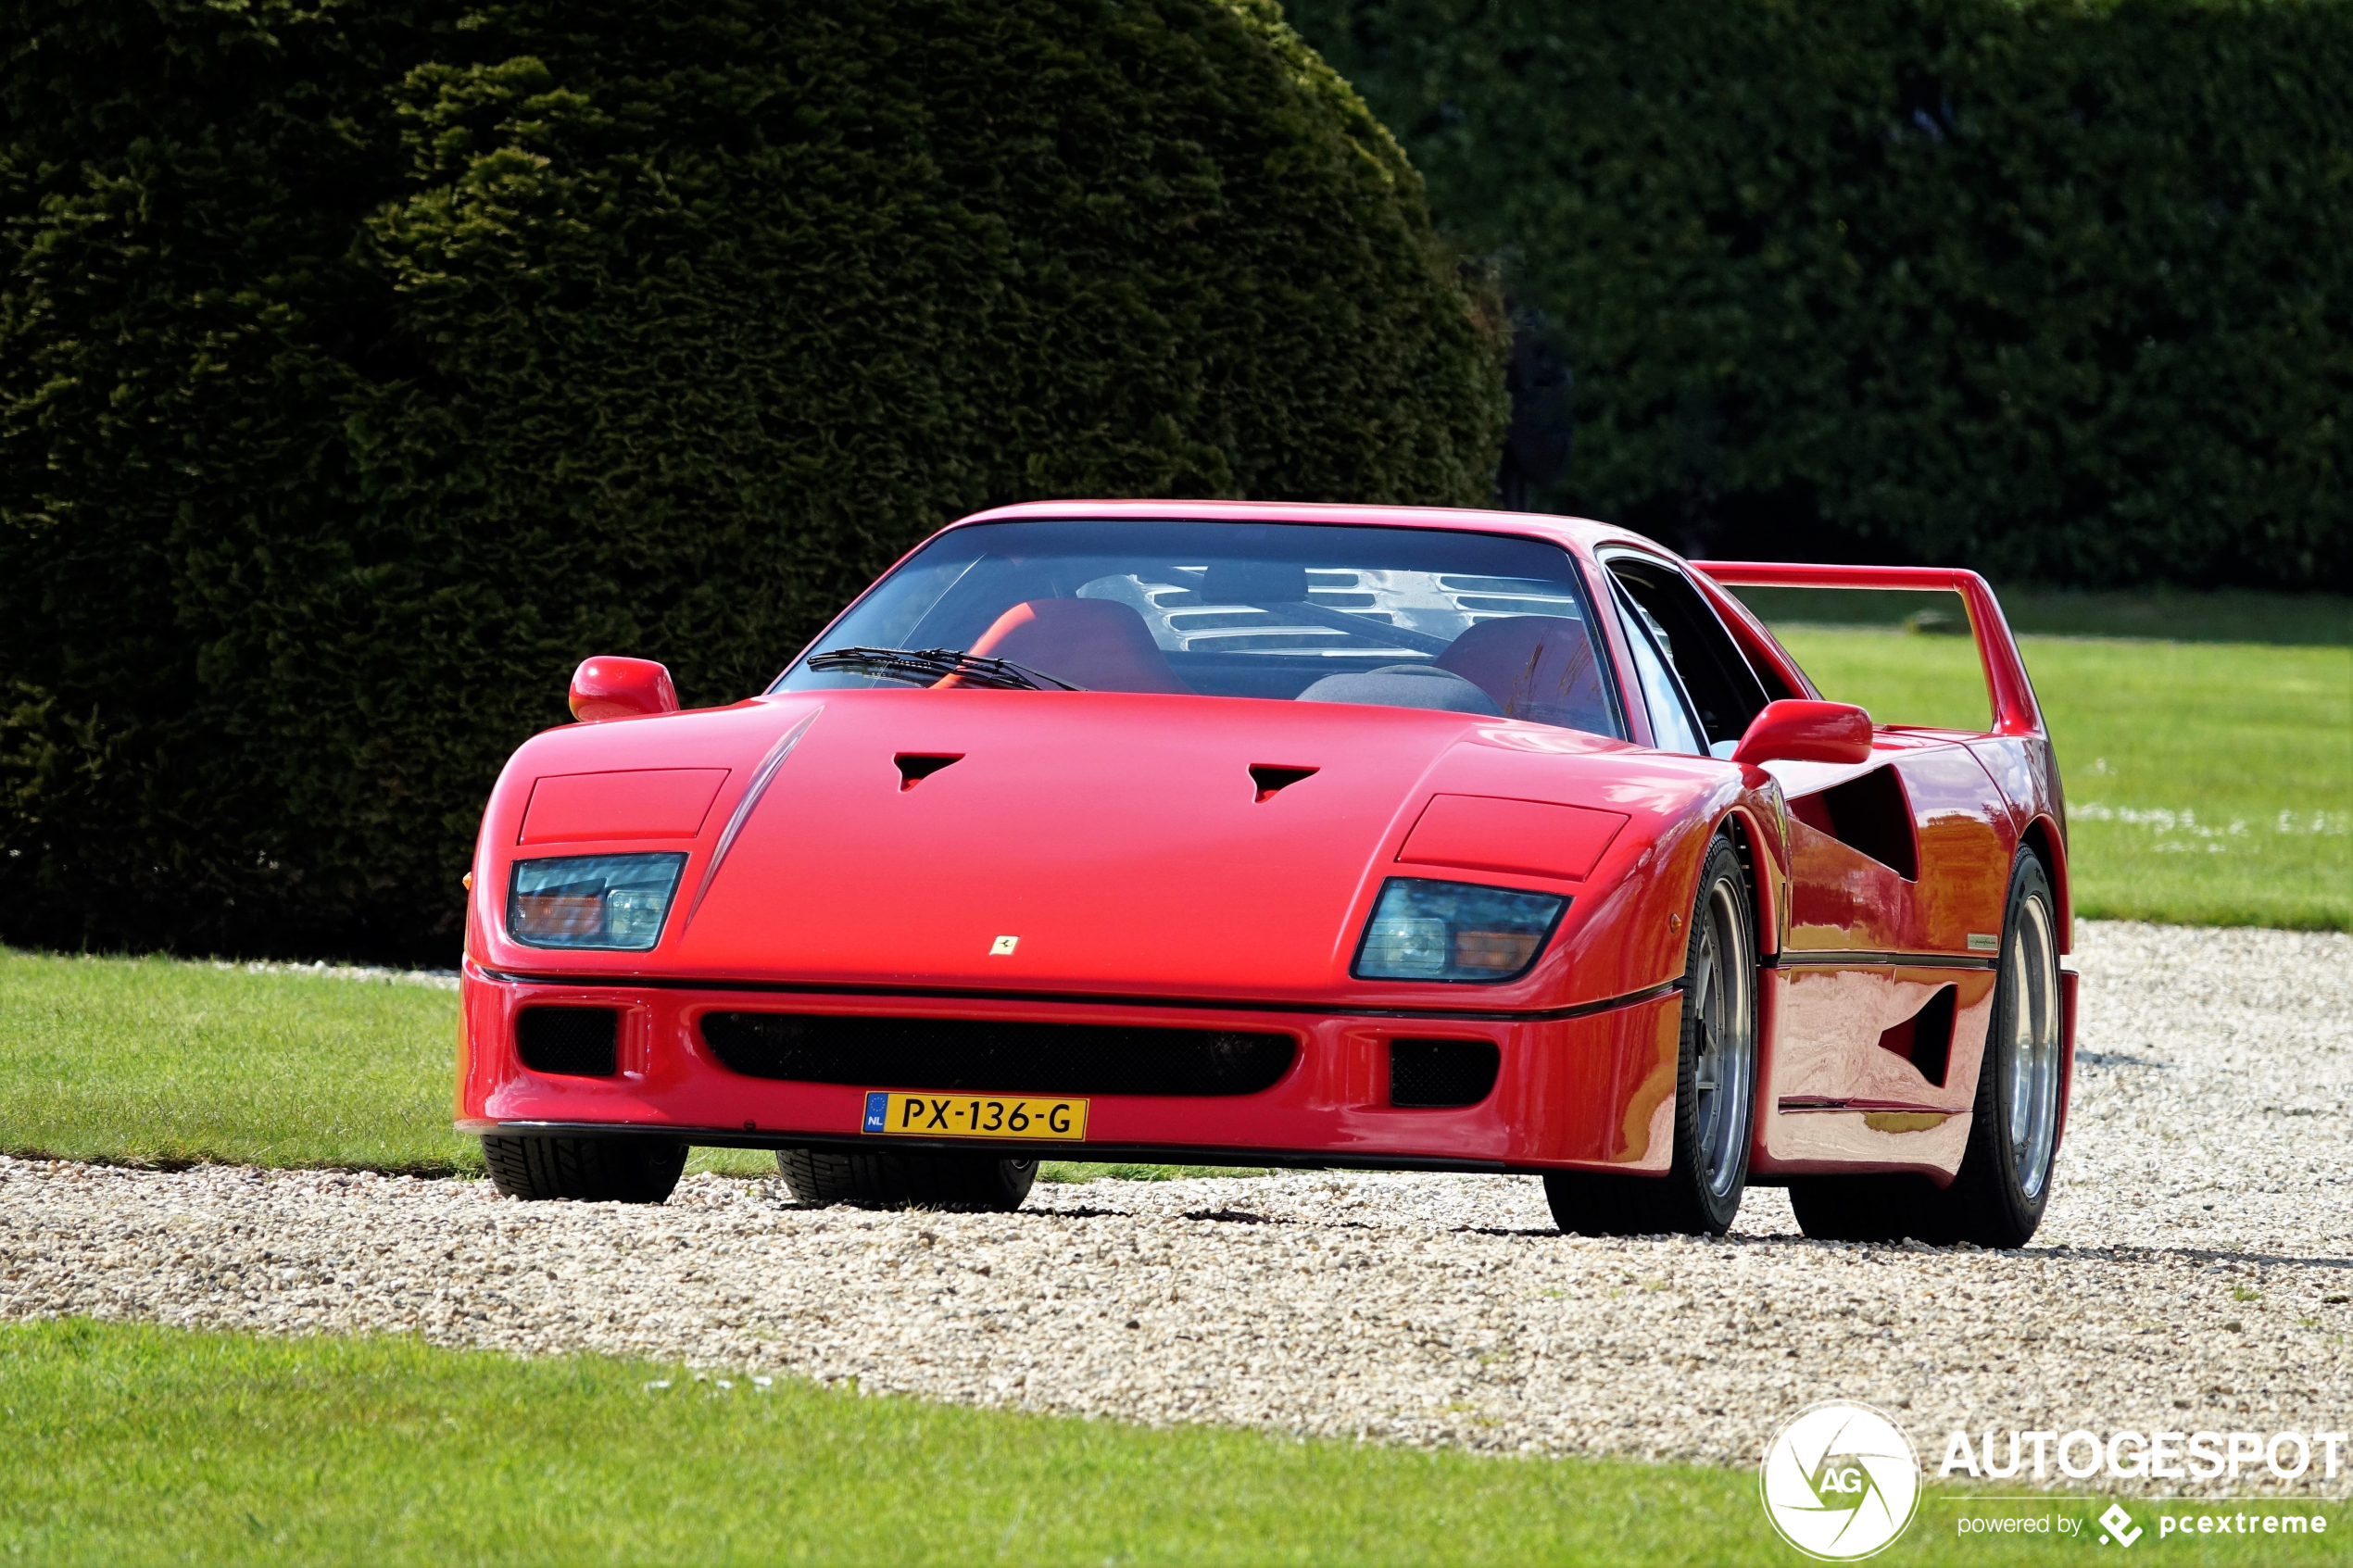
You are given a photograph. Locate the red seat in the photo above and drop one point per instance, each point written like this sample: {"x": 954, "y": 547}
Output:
{"x": 1098, "y": 643}
{"x": 1536, "y": 667}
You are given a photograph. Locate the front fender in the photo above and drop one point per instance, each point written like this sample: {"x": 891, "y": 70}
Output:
{"x": 1633, "y": 928}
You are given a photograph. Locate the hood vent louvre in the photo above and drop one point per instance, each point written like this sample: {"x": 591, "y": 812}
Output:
{"x": 1271, "y": 779}
{"x": 914, "y": 767}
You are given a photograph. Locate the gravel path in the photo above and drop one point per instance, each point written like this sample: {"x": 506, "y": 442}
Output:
{"x": 2196, "y": 1270}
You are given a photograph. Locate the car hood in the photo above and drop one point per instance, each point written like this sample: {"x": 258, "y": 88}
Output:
{"x": 1078, "y": 843}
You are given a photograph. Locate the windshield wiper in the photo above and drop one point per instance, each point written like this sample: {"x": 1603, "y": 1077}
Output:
{"x": 926, "y": 666}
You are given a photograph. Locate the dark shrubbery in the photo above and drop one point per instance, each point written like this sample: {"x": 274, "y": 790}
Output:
{"x": 363, "y": 367}
{"x": 2053, "y": 288}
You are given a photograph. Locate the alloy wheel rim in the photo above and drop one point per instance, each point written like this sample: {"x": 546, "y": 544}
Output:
{"x": 2033, "y": 1046}
{"x": 1722, "y": 1065}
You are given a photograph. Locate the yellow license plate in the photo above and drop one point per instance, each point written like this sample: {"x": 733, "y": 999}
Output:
{"x": 975, "y": 1116}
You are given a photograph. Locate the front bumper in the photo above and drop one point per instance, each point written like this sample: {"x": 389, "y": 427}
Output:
{"x": 1588, "y": 1088}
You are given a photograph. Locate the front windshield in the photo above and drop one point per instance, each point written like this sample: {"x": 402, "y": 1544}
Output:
{"x": 1395, "y": 617}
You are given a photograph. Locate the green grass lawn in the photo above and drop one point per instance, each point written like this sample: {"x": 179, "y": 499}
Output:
{"x": 2209, "y": 783}
{"x": 2178, "y": 615}
{"x": 150, "y": 1444}
{"x": 155, "y": 1061}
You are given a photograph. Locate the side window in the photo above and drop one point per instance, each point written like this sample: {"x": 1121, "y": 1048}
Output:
{"x": 1724, "y": 691}
{"x": 1673, "y": 726}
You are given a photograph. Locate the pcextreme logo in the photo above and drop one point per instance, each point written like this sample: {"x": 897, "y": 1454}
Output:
{"x": 1840, "y": 1481}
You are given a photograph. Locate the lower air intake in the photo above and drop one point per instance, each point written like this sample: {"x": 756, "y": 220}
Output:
{"x": 1430, "y": 1075}
{"x": 583, "y": 1042}
{"x": 964, "y": 1054}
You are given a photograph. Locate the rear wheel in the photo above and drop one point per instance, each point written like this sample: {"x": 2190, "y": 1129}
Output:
{"x": 586, "y": 1170}
{"x": 906, "y": 1180}
{"x": 2004, "y": 1180}
{"x": 1715, "y": 1085}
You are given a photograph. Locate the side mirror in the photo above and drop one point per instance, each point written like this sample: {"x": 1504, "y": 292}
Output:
{"x": 606, "y": 687}
{"x": 1807, "y": 731}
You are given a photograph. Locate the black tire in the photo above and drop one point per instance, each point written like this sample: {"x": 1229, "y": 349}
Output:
{"x": 912, "y": 1180}
{"x": 1701, "y": 1192}
{"x": 1877, "y": 1208}
{"x": 1989, "y": 1202}
{"x": 2004, "y": 1180}
{"x": 586, "y": 1170}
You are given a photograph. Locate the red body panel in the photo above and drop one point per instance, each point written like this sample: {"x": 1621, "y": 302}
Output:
{"x": 1121, "y": 840}
{"x": 643, "y": 803}
{"x": 1594, "y": 1090}
{"x": 1516, "y": 838}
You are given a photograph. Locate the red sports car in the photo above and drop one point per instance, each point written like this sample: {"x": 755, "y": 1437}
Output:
{"x": 1278, "y": 835}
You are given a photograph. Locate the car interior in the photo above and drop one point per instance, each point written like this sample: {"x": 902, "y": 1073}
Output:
{"x": 1700, "y": 690}
{"x": 1406, "y": 618}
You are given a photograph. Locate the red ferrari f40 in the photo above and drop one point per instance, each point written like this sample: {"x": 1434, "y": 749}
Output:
{"x": 1279, "y": 835}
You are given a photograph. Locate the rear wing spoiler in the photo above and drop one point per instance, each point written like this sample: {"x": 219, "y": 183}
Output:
{"x": 2015, "y": 710}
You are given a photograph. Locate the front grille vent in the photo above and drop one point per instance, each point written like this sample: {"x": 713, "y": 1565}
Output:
{"x": 583, "y": 1042}
{"x": 966, "y": 1055}
{"x": 1430, "y": 1075}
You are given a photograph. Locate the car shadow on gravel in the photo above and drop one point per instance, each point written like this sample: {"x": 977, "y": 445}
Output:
{"x": 2061, "y": 1253}
{"x": 1513, "y": 1230}
{"x": 1088, "y": 1214}
{"x": 2129, "y": 1254}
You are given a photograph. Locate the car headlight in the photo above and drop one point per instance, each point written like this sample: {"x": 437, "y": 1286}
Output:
{"x": 617, "y": 901}
{"x": 1454, "y": 930}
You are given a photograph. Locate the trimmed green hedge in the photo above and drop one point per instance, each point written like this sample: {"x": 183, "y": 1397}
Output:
{"x": 365, "y": 366}
{"x": 2060, "y": 289}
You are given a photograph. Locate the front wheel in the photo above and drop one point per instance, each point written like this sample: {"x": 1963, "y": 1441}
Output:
{"x": 1715, "y": 1085}
{"x": 586, "y": 1170}
{"x": 913, "y": 1180}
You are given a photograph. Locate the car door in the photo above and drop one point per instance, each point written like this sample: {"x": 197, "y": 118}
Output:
{"x": 1874, "y": 1008}
{"x": 1886, "y": 976}
{"x": 1886, "y": 982}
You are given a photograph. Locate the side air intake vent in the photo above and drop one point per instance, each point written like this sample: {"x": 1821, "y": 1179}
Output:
{"x": 1435, "y": 1074}
{"x": 1868, "y": 814}
{"x": 1925, "y": 1039}
{"x": 962, "y": 1054}
{"x": 583, "y": 1042}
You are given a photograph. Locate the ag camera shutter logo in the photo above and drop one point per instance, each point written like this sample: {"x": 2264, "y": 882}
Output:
{"x": 1840, "y": 1481}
